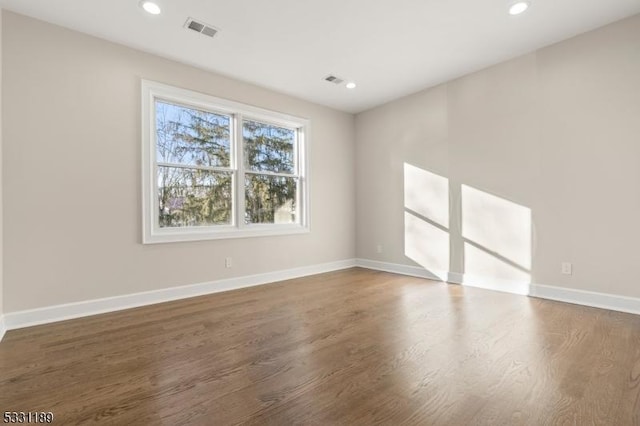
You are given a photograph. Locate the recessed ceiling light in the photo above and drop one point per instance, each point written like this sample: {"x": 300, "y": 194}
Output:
{"x": 150, "y": 7}
{"x": 351, "y": 85}
{"x": 518, "y": 7}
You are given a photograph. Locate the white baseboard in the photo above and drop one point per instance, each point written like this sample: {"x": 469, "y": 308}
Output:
{"x": 3, "y": 328}
{"x": 413, "y": 271}
{"x": 594, "y": 299}
{"x": 507, "y": 286}
{"x": 578, "y": 297}
{"x": 27, "y": 318}
{"x": 489, "y": 283}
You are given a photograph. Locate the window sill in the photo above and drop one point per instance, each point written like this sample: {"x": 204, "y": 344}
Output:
{"x": 204, "y": 234}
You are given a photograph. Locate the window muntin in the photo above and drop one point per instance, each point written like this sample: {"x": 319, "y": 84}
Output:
{"x": 218, "y": 169}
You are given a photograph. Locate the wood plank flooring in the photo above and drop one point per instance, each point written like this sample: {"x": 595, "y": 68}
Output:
{"x": 353, "y": 347}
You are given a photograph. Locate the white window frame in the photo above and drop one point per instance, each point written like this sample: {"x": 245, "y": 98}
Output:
{"x": 152, "y": 232}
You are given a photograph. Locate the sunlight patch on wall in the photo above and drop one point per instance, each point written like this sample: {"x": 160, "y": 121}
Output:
{"x": 426, "y": 244}
{"x": 496, "y": 233}
{"x": 497, "y": 241}
{"x": 497, "y": 225}
{"x": 478, "y": 262}
{"x": 426, "y": 220}
{"x": 427, "y": 194}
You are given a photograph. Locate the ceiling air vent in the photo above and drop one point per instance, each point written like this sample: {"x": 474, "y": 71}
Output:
{"x": 200, "y": 27}
{"x": 333, "y": 79}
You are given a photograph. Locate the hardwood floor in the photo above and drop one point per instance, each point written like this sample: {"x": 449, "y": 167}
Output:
{"x": 348, "y": 347}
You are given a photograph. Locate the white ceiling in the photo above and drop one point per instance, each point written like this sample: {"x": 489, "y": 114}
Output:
{"x": 389, "y": 48}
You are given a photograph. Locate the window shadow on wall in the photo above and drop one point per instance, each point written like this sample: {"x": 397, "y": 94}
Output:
{"x": 426, "y": 220}
{"x": 495, "y": 237}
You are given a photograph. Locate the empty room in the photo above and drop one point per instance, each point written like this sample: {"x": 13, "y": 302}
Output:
{"x": 320, "y": 213}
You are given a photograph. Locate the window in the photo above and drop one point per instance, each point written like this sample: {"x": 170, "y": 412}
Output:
{"x": 213, "y": 168}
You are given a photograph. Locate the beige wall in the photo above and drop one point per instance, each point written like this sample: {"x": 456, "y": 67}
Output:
{"x": 72, "y": 168}
{"x": 555, "y": 133}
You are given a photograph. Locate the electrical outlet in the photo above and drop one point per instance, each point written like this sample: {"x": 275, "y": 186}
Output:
{"x": 227, "y": 262}
{"x": 567, "y": 268}
{"x": 379, "y": 248}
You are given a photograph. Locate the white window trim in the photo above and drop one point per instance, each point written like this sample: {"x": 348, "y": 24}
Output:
{"x": 152, "y": 233}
